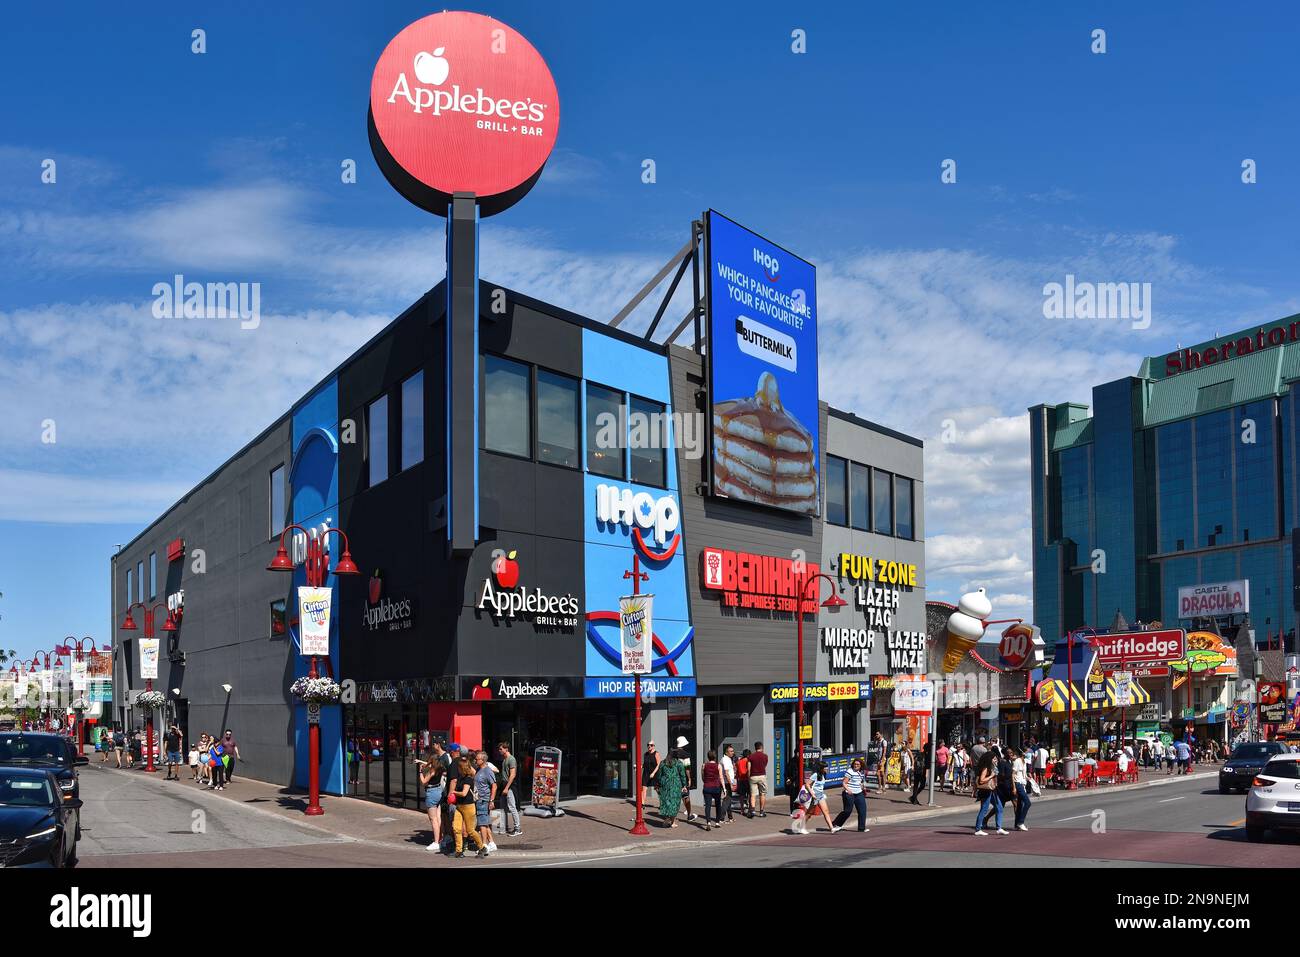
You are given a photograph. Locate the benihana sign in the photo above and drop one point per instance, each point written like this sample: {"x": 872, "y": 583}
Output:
{"x": 460, "y": 102}
{"x": 1221, "y": 598}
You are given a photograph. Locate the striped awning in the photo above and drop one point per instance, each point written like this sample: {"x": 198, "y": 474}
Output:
{"x": 1051, "y": 694}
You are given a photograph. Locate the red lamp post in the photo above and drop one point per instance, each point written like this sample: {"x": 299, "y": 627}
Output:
{"x": 128, "y": 624}
{"x": 639, "y": 828}
{"x": 835, "y": 601}
{"x": 58, "y": 663}
{"x": 316, "y": 566}
{"x": 76, "y": 648}
{"x": 18, "y": 671}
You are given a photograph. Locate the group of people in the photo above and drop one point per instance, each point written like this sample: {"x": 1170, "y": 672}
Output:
{"x": 730, "y": 784}
{"x": 460, "y": 792}
{"x": 1179, "y": 756}
{"x": 1002, "y": 776}
{"x": 211, "y": 760}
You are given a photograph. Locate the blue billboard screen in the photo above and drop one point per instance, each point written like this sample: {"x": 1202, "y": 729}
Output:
{"x": 762, "y": 343}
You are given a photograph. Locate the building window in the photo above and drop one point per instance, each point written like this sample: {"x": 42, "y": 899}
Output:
{"x": 139, "y": 580}
{"x": 277, "y": 618}
{"x": 377, "y": 440}
{"x": 882, "y": 494}
{"x": 130, "y": 595}
{"x": 153, "y": 575}
{"x": 557, "y": 419}
{"x": 860, "y": 496}
{"x": 836, "y": 491}
{"x": 647, "y": 438}
{"x": 276, "y": 518}
{"x": 903, "y": 513}
{"x": 605, "y": 437}
{"x": 506, "y": 416}
{"x": 413, "y": 420}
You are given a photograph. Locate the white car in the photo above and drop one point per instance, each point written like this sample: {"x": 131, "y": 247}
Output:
{"x": 1274, "y": 798}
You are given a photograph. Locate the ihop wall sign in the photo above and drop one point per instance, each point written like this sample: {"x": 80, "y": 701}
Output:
{"x": 461, "y": 103}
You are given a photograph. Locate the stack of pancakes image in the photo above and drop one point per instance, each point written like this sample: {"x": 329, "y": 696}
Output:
{"x": 761, "y": 453}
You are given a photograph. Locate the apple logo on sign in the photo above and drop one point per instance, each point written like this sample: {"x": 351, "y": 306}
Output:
{"x": 431, "y": 68}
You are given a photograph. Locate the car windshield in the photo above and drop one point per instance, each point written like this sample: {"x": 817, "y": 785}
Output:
{"x": 21, "y": 748}
{"x": 1248, "y": 751}
{"x": 24, "y": 791}
{"x": 1282, "y": 768}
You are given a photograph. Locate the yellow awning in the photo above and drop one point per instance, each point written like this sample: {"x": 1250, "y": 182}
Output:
{"x": 1051, "y": 694}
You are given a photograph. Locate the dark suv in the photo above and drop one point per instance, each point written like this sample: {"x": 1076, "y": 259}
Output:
{"x": 1246, "y": 761}
{"x": 48, "y": 752}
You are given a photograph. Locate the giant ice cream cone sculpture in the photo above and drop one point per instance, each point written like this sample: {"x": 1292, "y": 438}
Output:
{"x": 965, "y": 628}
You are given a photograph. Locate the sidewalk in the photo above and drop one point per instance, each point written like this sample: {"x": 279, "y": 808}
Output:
{"x": 591, "y": 826}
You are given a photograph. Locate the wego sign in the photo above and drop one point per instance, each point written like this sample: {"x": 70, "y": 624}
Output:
{"x": 461, "y": 103}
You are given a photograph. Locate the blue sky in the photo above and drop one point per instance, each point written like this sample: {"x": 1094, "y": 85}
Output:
{"x": 1124, "y": 166}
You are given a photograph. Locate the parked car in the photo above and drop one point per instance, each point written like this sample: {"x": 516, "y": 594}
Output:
{"x": 51, "y": 752}
{"x": 38, "y": 826}
{"x": 1274, "y": 799}
{"x": 1246, "y": 761}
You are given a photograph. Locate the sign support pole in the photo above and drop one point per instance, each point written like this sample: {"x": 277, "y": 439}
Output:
{"x": 639, "y": 828}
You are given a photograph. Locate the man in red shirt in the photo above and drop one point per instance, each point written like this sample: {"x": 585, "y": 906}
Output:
{"x": 758, "y": 780}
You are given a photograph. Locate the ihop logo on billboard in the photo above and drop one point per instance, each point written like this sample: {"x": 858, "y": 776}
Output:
{"x": 616, "y": 505}
{"x": 771, "y": 265}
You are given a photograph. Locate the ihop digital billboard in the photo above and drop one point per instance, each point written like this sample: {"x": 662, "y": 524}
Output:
{"x": 762, "y": 303}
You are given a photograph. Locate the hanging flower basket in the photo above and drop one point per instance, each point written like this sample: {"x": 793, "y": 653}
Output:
{"x": 316, "y": 690}
{"x": 150, "y": 699}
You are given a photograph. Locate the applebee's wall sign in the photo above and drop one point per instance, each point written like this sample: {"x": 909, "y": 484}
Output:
{"x": 384, "y": 613}
{"x": 500, "y": 596}
{"x": 460, "y": 102}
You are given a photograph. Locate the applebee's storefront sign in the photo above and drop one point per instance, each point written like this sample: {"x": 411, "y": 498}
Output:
{"x": 499, "y": 595}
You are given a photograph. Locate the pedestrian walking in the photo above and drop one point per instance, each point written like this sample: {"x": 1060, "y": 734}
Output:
{"x": 818, "y": 780}
{"x": 920, "y": 769}
{"x": 232, "y": 752}
{"x": 217, "y": 760}
{"x": 172, "y": 741}
{"x": 742, "y": 783}
{"x": 758, "y": 781}
{"x": 1020, "y": 783}
{"x": 509, "y": 803}
{"x": 801, "y": 802}
{"x": 942, "y": 756}
{"x": 960, "y": 766}
{"x": 649, "y": 768}
{"x": 485, "y": 795}
{"x": 136, "y": 748}
{"x": 1040, "y": 765}
{"x": 464, "y": 821}
{"x": 986, "y": 791}
{"x": 854, "y": 793}
{"x": 728, "y": 763}
{"x": 670, "y": 778}
{"x": 906, "y": 766}
{"x": 105, "y": 744}
{"x": 711, "y": 782}
{"x": 433, "y": 776}
{"x": 877, "y": 757}
{"x": 683, "y": 754}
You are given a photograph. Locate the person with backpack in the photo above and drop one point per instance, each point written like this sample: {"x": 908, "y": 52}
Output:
{"x": 742, "y": 782}
{"x": 464, "y": 822}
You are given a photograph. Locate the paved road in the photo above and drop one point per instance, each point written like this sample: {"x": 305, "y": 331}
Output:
{"x": 128, "y": 821}
{"x": 1175, "y": 823}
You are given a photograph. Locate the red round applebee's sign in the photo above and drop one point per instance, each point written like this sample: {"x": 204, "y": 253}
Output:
{"x": 460, "y": 102}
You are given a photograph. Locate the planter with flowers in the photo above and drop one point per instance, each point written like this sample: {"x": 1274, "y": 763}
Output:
{"x": 150, "y": 699}
{"x": 316, "y": 690}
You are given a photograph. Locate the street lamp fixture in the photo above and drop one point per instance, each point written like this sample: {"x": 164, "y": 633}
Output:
{"x": 316, "y": 567}
{"x": 833, "y": 602}
{"x": 170, "y": 625}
